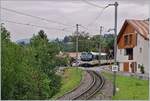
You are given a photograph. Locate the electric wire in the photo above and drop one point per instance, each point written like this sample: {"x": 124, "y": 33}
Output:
{"x": 27, "y": 24}
{"x": 97, "y": 17}
{"x": 37, "y": 17}
{"x": 84, "y": 27}
{"x": 92, "y": 4}
{"x": 40, "y": 18}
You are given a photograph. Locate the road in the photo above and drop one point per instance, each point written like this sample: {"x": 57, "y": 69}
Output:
{"x": 96, "y": 68}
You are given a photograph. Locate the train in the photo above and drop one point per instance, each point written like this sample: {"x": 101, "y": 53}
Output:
{"x": 86, "y": 56}
{"x": 88, "y": 59}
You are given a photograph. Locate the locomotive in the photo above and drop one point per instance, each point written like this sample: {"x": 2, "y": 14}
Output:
{"x": 86, "y": 56}
{"x": 88, "y": 59}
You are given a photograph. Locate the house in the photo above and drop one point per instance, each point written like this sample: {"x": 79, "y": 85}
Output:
{"x": 133, "y": 46}
{"x": 73, "y": 54}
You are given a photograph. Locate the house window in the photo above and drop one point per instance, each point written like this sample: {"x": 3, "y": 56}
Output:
{"x": 126, "y": 40}
{"x": 140, "y": 50}
{"x": 129, "y": 53}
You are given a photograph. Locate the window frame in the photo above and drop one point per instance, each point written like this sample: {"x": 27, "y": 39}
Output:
{"x": 128, "y": 39}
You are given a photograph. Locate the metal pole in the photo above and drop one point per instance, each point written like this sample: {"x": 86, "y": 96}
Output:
{"x": 77, "y": 25}
{"x": 115, "y": 47}
{"x": 115, "y": 43}
{"x": 100, "y": 46}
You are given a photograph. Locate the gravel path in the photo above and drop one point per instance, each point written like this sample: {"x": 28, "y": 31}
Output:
{"x": 85, "y": 83}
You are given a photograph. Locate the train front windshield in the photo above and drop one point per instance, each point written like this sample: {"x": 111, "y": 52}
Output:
{"x": 85, "y": 56}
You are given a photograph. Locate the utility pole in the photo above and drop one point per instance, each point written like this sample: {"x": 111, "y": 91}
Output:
{"x": 115, "y": 45}
{"x": 100, "y": 45}
{"x": 77, "y": 32}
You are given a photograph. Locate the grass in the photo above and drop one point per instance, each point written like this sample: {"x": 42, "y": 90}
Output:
{"x": 70, "y": 80}
{"x": 130, "y": 88}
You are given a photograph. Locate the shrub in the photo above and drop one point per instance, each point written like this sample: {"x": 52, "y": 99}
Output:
{"x": 141, "y": 68}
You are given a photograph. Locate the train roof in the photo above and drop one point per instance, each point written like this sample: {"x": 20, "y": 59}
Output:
{"x": 96, "y": 53}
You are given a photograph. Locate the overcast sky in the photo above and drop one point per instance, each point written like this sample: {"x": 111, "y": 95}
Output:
{"x": 68, "y": 12}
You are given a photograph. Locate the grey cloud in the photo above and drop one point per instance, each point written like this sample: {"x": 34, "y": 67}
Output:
{"x": 70, "y": 12}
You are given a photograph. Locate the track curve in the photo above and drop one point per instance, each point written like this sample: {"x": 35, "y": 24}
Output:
{"x": 97, "y": 82}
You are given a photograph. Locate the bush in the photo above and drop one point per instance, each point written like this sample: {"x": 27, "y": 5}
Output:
{"x": 141, "y": 68}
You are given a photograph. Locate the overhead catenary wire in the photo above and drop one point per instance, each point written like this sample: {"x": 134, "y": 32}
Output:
{"x": 97, "y": 17}
{"x": 27, "y": 24}
{"x": 91, "y": 23}
{"x": 51, "y": 21}
{"x": 92, "y": 4}
{"x": 84, "y": 27}
{"x": 37, "y": 17}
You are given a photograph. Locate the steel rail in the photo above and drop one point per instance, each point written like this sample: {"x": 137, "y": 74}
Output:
{"x": 98, "y": 82}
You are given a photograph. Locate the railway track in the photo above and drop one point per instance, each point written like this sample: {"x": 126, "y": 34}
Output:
{"x": 95, "y": 63}
{"x": 97, "y": 84}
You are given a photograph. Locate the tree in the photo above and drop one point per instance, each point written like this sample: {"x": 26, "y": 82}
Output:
{"x": 28, "y": 72}
{"x": 5, "y": 35}
{"x": 66, "y": 39}
{"x": 42, "y": 34}
{"x": 45, "y": 59}
{"x": 87, "y": 43}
